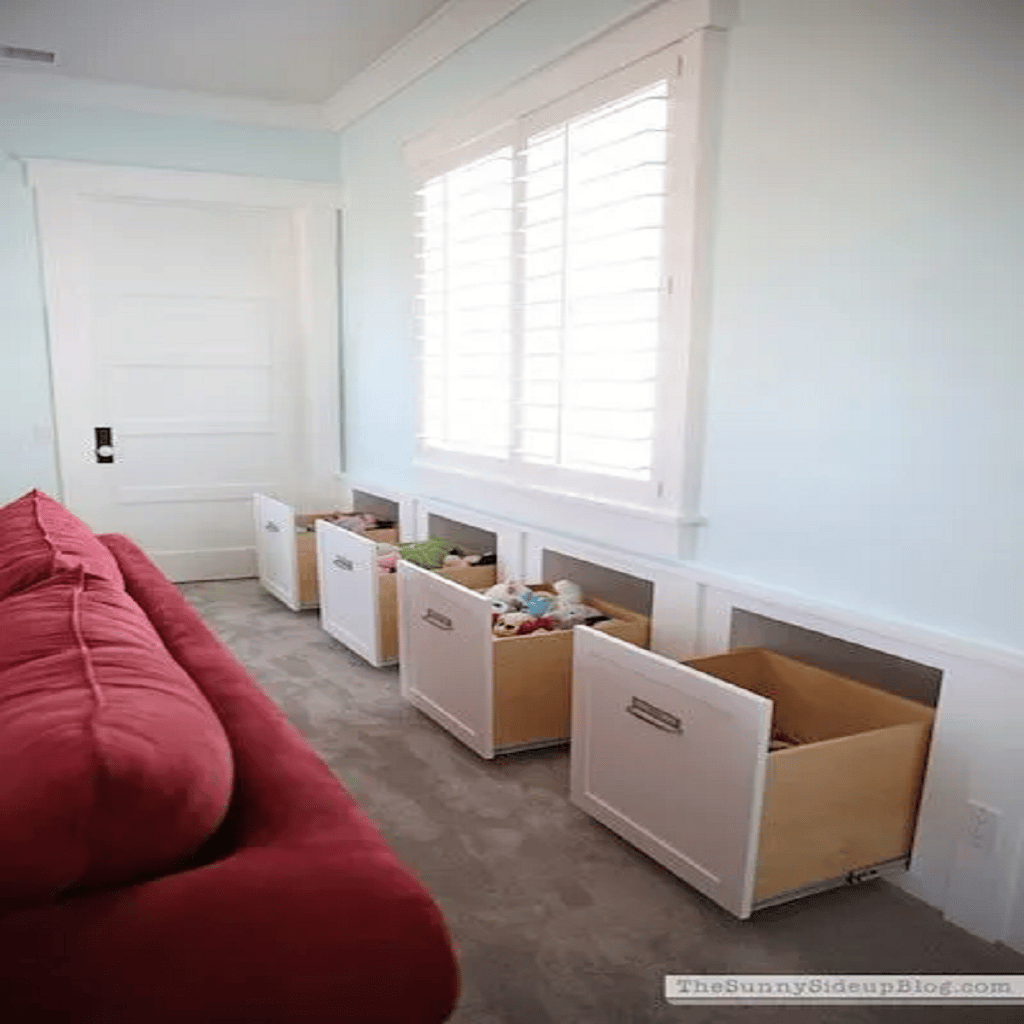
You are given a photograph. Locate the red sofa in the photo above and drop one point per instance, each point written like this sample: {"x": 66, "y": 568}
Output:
{"x": 292, "y": 910}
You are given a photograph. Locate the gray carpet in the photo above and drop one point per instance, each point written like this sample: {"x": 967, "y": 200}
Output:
{"x": 558, "y": 921}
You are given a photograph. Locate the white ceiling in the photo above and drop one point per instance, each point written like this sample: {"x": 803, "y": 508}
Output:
{"x": 299, "y": 51}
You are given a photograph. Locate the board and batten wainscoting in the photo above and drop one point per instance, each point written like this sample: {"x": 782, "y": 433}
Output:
{"x": 976, "y": 758}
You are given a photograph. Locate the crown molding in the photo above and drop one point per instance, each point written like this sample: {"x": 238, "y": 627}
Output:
{"x": 454, "y": 25}
{"x": 649, "y": 26}
{"x": 33, "y": 87}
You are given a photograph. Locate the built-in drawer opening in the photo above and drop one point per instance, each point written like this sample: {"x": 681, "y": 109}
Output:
{"x": 611, "y": 585}
{"x": 384, "y": 509}
{"x": 470, "y": 540}
{"x": 878, "y": 669}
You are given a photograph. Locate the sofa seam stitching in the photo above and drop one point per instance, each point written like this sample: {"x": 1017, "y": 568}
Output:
{"x": 98, "y": 702}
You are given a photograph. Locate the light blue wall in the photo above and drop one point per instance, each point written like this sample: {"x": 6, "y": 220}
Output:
{"x": 865, "y": 412}
{"x": 26, "y": 130}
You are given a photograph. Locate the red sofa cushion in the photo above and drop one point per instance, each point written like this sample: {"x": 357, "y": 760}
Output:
{"x": 39, "y": 538}
{"x": 113, "y": 765}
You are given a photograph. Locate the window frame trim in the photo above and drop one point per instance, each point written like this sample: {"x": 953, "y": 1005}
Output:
{"x": 694, "y": 29}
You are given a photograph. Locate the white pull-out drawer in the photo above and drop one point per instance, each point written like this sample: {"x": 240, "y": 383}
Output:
{"x": 286, "y": 550}
{"x": 351, "y": 592}
{"x": 281, "y": 552}
{"x": 358, "y": 604}
{"x": 676, "y": 759}
{"x": 445, "y": 643}
{"x": 494, "y": 693}
{"x": 673, "y": 760}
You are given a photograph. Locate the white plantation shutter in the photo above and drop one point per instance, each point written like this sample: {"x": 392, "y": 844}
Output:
{"x": 466, "y": 307}
{"x": 541, "y": 294}
{"x": 594, "y": 201}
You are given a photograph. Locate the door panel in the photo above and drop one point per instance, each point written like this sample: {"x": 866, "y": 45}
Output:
{"x": 347, "y": 571}
{"x": 176, "y": 323}
{"x": 446, "y": 654}
{"x": 673, "y": 760}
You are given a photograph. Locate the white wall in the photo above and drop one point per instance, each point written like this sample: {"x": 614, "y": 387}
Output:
{"x": 27, "y": 457}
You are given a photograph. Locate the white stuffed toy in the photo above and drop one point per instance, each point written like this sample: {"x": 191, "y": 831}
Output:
{"x": 510, "y": 623}
{"x": 568, "y": 609}
{"x": 511, "y": 592}
{"x": 568, "y": 592}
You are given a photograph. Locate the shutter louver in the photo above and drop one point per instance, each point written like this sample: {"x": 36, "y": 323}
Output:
{"x": 465, "y": 307}
{"x": 592, "y": 256}
{"x": 540, "y": 290}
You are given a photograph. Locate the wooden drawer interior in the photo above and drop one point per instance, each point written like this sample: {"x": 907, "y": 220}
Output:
{"x": 845, "y": 796}
{"x": 532, "y": 676}
{"x": 305, "y": 552}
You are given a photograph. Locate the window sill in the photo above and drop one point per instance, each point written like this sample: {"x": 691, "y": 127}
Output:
{"x": 655, "y": 533}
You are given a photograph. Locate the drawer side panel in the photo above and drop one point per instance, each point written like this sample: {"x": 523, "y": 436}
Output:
{"x": 838, "y": 806}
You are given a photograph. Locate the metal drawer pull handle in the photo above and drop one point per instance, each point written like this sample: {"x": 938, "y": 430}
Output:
{"x": 437, "y": 619}
{"x": 653, "y": 715}
{"x": 272, "y": 527}
{"x": 344, "y": 563}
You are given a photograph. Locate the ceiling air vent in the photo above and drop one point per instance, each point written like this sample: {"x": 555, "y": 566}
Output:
{"x": 24, "y": 53}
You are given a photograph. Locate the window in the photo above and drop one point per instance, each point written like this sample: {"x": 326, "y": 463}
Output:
{"x": 555, "y": 272}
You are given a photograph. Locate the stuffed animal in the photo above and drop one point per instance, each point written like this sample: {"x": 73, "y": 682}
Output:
{"x": 522, "y": 624}
{"x": 511, "y": 591}
{"x": 510, "y": 623}
{"x": 359, "y": 522}
{"x": 567, "y": 615}
{"x": 428, "y": 554}
{"x": 568, "y": 592}
{"x": 537, "y": 625}
{"x": 538, "y": 604}
{"x": 387, "y": 559}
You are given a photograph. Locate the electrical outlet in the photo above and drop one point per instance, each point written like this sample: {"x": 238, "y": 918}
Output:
{"x": 982, "y": 826}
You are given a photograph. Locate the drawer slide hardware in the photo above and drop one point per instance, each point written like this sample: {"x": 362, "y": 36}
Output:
{"x": 653, "y": 715}
{"x": 437, "y": 620}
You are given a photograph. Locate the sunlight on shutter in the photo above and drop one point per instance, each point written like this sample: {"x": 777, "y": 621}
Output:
{"x": 594, "y": 195}
{"x": 464, "y": 290}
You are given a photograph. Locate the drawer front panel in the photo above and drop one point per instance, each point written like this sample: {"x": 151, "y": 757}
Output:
{"x": 347, "y": 569}
{"x": 446, "y": 654}
{"x": 275, "y": 547}
{"x": 672, "y": 760}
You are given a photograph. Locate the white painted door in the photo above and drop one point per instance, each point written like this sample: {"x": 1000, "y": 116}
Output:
{"x": 671, "y": 759}
{"x": 349, "y": 604}
{"x": 176, "y": 323}
{"x": 446, "y": 655}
